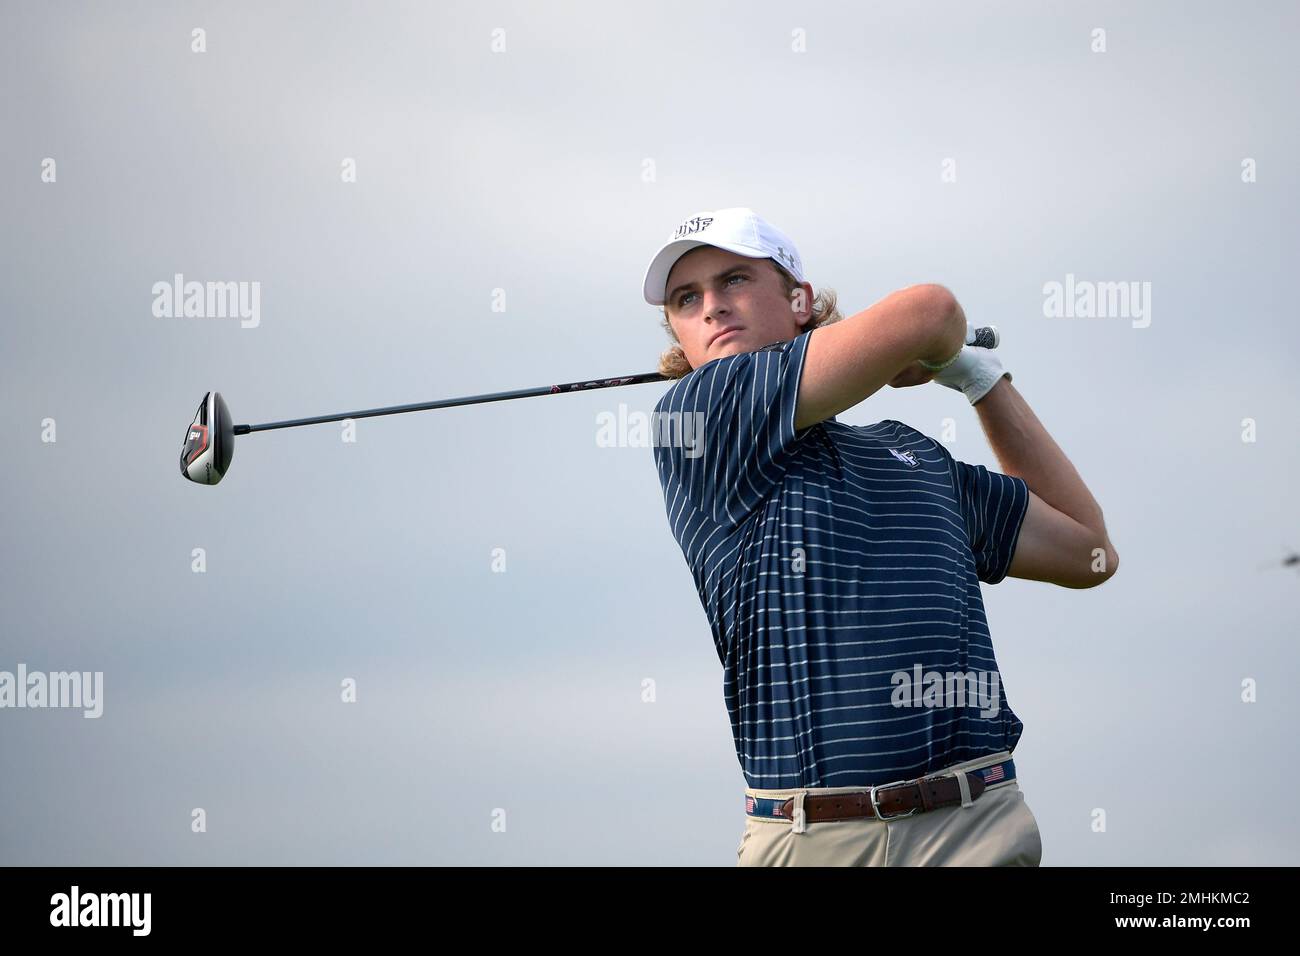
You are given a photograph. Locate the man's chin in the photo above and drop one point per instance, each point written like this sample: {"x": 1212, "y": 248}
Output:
{"x": 733, "y": 345}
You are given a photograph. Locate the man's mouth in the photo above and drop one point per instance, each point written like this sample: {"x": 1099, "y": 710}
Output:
{"x": 719, "y": 336}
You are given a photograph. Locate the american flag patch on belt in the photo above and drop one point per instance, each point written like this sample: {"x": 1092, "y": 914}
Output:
{"x": 763, "y": 806}
{"x": 992, "y": 774}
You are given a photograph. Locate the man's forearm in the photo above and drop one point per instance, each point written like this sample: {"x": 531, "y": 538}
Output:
{"x": 1026, "y": 450}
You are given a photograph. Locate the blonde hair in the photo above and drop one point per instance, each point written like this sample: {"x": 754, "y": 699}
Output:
{"x": 673, "y": 363}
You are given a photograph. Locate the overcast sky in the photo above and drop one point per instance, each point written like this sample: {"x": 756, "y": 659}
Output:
{"x": 552, "y": 169}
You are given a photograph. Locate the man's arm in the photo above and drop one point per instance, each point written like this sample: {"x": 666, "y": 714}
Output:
{"x": 1063, "y": 525}
{"x": 856, "y": 357}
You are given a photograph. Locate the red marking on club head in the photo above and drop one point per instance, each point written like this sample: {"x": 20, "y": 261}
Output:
{"x": 200, "y": 431}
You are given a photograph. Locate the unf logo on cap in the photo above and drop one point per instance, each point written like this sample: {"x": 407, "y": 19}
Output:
{"x": 693, "y": 225}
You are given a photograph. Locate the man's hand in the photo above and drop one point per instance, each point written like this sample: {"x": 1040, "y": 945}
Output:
{"x": 974, "y": 373}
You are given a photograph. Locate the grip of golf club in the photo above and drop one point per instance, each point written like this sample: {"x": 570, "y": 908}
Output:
{"x": 985, "y": 337}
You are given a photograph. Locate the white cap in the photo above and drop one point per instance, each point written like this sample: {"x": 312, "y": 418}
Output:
{"x": 739, "y": 230}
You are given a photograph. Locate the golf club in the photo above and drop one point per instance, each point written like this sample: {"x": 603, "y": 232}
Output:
{"x": 210, "y": 441}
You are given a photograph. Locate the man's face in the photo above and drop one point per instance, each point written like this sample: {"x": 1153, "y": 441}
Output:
{"x": 720, "y": 303}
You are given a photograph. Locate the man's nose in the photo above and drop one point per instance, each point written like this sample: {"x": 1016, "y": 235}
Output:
{"x": 714, "y": 305}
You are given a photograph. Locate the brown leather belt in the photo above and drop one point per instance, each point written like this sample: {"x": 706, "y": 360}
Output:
{"x": 887, "y": 802}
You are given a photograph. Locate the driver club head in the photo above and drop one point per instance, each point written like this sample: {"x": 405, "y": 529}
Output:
{"x": 209, "y": 443}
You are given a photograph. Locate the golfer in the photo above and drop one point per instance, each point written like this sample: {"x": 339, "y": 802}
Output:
{"x": 840, "y": 565}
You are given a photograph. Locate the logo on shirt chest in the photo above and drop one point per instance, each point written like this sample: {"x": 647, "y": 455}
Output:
{"x": 908, "y": 458}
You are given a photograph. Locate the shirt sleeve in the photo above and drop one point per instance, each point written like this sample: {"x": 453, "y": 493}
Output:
{"x": 723, "y": 434}
{"x": 994, "y": 507}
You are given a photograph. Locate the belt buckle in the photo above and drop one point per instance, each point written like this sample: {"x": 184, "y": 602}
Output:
{"x": 875, "y": 805}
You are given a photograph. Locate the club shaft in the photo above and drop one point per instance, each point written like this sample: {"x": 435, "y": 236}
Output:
{"x": 984, "y": 337}
{"x": 453, "y": 402}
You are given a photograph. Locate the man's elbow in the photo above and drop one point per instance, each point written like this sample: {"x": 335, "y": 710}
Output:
{"x": 1105, "y": 562}
{"x": 934, "y": 301}
{"x": 946, "y": 318}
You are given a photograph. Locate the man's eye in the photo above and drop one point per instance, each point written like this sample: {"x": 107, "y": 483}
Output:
{"x": 681, "y": 299}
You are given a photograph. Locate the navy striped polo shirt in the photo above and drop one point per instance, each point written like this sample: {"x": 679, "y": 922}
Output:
{"x": 840, "y": 568}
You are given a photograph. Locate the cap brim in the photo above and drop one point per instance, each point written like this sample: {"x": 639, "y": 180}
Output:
{"x": 656, "y": 277}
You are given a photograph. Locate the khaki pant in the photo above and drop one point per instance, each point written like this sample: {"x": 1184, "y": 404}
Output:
{"x": 996, "y": 830}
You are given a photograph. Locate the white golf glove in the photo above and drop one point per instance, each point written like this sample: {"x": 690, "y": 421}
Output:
{"x": 973, "y": 371}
